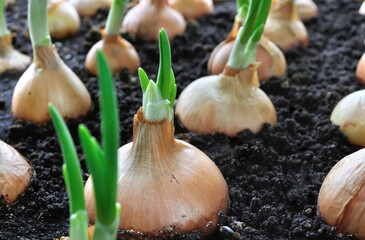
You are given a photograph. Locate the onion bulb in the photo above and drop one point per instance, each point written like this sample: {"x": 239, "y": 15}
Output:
{"x": 227, "y": 103}
{"x": 90, "y": 7}
{"x": 63, "y": 19}
{"x": 193, "y": 8}
{"x": 306, "y": 9}
{"x": 11, "y": 59}
{"x": 284, "y": 28}
{"x": 362, "y": 9}
{"x": 165, "y": 185}
{"x": 349, "y": 114}
{"x": 15, "y": 173}
{"x": 360, "y": 71}
{"x": 147, "y": 18}
{"x": 272, "y": 60}
{"x": 341, "y": 200}
{"x": 48, "y": 79}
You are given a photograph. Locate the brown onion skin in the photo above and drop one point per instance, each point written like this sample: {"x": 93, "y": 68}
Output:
{"x": 147, "y": 18}
{"x": 165, "y": 185}
{"x": 360, "y": 70}
{"x": 118, "y": 52}
{"x": 341, "y": 200}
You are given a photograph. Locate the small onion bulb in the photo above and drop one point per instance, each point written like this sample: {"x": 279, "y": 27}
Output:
{"x": 48, "y": 79}
{"x": 90, "y": 7}
{"x": 118, "y": 52}
{"x": 193, "y": 8}
{"x": 341, "y": 200}
{"x": 360, "y": 70}
{"x": 15, "y": 173}
{"x": 228, "y": 103}
{"x": 165, "y": 185}
{"x": 147, "y": 18}
{"x": 11, "y": 59}
{"x": 272, "y": 60}
{"x": 283, "y": 26}
{"x": 306, "y": 9}
{"x": 63, "y": 19}
{"x": 349, "y": 114}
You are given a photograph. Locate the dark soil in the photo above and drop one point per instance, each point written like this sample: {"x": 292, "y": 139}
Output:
{"x": 273, "y": 177}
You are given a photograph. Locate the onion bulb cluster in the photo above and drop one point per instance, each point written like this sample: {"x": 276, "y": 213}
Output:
{"x": 349, "y": 114}
{"x": 193, "y": 8}
{"x": 63, "y": 19}
{"x": 90, "y": 7}
{"x": 15, "y": 173}
{"x": 306, "y": 9}
{"x": 284, "y": 28}
{"x": 272, "y": 60}
{"x": 227, "y": 103}
{"x": 147, "y": 18}
{"x": 360, "y": 70}
{"x": 11, "y": 59}
{"x": 48, "y": 79}
{"x": 341, "y": 200}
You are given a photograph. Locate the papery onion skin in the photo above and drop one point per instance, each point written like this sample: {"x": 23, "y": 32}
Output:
{"x": 90, "y": 7}
{"x": 15, "y": 173}
{"x": 118, "y": 52}
{"x": 63, "y": 19}
{"x": 306, "y": 9}
{"x": 11, "y": 59}
{"x": 341, "y": 200}
{"x": 360, "y": 70}
{"x": 284, "y": 28}
{"x": 193, "y": 8}
{"x": 48, "y": 79}
{"x": 349, "y": 114}
{"x": 165, "y": 185}
{"x": 228, "y": 103}
{"x": 147, "y": 18}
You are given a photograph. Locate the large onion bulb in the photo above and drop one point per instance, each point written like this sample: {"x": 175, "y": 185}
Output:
{"x": 147, "y": 18}
{"x": 193, "y": 8}
{"x": 48, "y": 79}
{"x": 272, "y": 60}
{"x": 90, "y": 7}
{"x": 229, "y": 103}
{"x": 283, "y": 26}
{"x": 349, "y": 114}
{"x": 165, "y": 185}
{"x": 63, "y": 19}
{"x": 341, "y": 200}
{"x": 15, "y": 173}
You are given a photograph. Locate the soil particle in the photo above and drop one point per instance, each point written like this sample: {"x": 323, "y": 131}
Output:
{"x": 273, "y": 177}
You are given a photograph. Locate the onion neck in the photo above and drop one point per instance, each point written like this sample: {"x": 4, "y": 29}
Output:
{"x": 246, "y": 77}
{"x": 153, "y": 142}
{"x": 115, "y": 17}
{"x": 46, "y": 57}
{"x": 285, "y": 10}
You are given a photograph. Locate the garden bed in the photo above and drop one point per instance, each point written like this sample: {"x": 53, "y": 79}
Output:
{"x": 273, "y": 177}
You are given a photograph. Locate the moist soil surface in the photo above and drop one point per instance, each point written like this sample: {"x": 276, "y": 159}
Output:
{"x": 273, "y": 177}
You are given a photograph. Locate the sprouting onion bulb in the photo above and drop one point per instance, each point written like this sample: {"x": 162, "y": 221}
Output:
{"x": 193, "y": 8}
{"x": 284, "y": 28}
{"x": 306, "y": 9}
{"x": 272, "y": 60}
{"x": 15, "y": 173}
{"x": 360, "y": 70}
{"x": 341, "y": 200}
{"x": 48, "y": 79}
{"x": 349, "y": 114}
{"x": 362, "y": 9}
{"x": 231, "y": 102}
{"x": 90, "y": 7}
{"x": 102, "y": 163}
{"x": 63, "y": 19}
{"x": 10, "y": 59}
{"x": 147, "y": 18}
{"x": 165, "y": 185}
{"x": 119, "y": 52}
